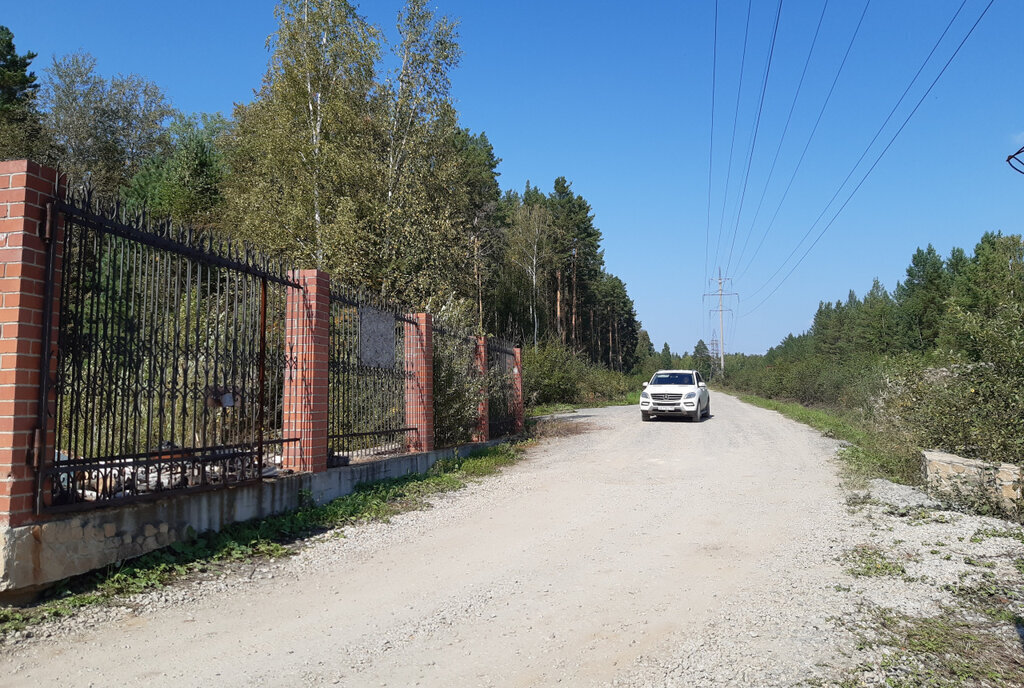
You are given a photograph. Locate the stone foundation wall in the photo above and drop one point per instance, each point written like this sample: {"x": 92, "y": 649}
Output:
{"x": 34, "y": 556}
{"x": 950, "y": 473}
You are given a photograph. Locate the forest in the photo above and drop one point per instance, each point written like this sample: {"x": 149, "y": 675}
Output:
{"x": 936, "y": 363}
{"x": 351, "y": 159}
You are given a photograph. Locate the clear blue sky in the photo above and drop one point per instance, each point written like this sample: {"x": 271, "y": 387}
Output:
{"x": 617, "y": 98}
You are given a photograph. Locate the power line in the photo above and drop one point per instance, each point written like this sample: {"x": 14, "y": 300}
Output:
{"x": 782, "y": 139}
{"x": 711, "y": 144}
{"x": 735, "y": 120}
{"x": 814, "y": 129}
{"x": 757, "y": 126}
{"x": 867, "y": 149}
{"x": 879, "y": 158}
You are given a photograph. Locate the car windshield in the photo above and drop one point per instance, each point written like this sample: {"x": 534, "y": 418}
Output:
{"x": 672, "y": 379}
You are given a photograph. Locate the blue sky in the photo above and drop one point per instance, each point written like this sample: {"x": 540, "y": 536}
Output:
{"x": 617, "y": 98}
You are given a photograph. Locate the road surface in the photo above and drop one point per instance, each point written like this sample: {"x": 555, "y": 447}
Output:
{"x": 603, "y": 558}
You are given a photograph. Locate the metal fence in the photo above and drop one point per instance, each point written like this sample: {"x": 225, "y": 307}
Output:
{"x": 457, "y": 386}
{"x": 366, "y": 378}
{"x": 501, "y": 360}
{"x": 171, "y": 361}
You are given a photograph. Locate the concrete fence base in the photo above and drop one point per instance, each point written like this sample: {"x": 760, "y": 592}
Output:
{"x": 37, "y": 555}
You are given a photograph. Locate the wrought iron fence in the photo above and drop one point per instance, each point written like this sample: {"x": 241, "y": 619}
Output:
{"x": 457, "y": 386}
{"x": 171, "y": 360}
{"x": 501, "y": 359}
{"x": 366, "y": 378}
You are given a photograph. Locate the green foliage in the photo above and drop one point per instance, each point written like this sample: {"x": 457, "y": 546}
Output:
{"x": 551, "y": 373}
{"x": 458, "y": 388}
{"x": 102, "y": 131}
{"x": 21, "y": 132}
{"x": 869, "y": 561}
{"x": 938, "y": 365}
{"x": 184, "y": 184}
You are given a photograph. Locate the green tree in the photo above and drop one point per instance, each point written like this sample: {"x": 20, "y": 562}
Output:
{"x": 21, "y": 131}
{"x": 922, "y": 298}
{"x": 185, "y": 183}
{"x": 103, "y": 132}
{"x": 666, "y": 357}
{"x": 416, "y": 244}
{"x": 298, "y": 154}
{"x": 702, "y": 359}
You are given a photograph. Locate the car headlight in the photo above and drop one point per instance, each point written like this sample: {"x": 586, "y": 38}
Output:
{"x": 690, "y": 395}
{"x": 645, "y": 395}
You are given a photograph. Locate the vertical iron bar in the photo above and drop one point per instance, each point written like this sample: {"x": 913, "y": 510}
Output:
{"x": 262, "y": 375}
{"x": 45, "y": 353}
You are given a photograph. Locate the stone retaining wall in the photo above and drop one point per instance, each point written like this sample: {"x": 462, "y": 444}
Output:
{"x": 947, "y": 473}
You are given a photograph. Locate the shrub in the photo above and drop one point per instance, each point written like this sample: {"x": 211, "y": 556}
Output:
{"x": 552, "y": 373}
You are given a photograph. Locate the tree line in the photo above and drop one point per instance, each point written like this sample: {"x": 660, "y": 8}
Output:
{"x": 939, "y": 361}
{"x": 350, "y": 158}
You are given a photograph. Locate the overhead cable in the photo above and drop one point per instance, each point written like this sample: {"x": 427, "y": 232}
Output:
{"x": 879, "y": 157}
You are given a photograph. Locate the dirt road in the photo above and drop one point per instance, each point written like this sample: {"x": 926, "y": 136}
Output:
{"x": 609, "y": 557}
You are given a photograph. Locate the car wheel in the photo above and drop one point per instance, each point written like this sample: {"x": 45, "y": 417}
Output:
{"x": 707, "y": 410}
{"x": 698, "y": 414}
{"x": 644, "y": 416}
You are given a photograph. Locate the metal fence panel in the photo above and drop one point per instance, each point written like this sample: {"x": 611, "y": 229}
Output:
{"x": 366, "y": 378}
{"x": 171, "y": 360}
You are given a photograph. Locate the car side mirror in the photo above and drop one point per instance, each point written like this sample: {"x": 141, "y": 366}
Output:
{"x": 645, "y": 385}
{"x": 701, "y": 384}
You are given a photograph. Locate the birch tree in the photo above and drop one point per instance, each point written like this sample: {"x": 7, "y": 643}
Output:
{"x": 299, "y": 152}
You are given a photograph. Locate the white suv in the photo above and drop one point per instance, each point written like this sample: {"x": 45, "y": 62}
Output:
{"x": 675, "y": 393}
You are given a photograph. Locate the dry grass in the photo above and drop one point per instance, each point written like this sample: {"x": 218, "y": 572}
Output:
{"x": 560, "y": 427}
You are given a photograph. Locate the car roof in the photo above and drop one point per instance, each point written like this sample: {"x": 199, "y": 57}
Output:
{"x": 674, "y": 371}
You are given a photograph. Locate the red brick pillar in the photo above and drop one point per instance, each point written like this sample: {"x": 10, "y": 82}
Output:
{"x": 307, "y": 314}
{"x": 518, "y": 412}
{"x": 482, "y": 431}
{"x": 419, "y": 383}
{"x": 25, "y": 189}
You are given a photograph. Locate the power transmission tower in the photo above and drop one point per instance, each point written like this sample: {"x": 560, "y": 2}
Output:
{"x": 713, "y": 351}
{"x": 721, "y": 310}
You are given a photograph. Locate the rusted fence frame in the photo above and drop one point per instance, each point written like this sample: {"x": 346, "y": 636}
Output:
{"x": 137, "y": 337}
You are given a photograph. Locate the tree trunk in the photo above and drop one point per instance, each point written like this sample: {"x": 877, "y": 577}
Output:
{"x": 573, "y": 337}
{"x": 609, "y": 338}
{"x": 558, "y": 305}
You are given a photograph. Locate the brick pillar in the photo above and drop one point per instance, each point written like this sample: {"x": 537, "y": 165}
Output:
{"x": 307, "y": 341}
{"x": 518, "y": 412}
{"x": 419, "y": 383}
{"x": 25, "y": 189}
{"x": 482, "y": 431}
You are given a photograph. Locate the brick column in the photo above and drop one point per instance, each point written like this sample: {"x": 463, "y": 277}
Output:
{"x": 419, "y": 382}
{"x": 307, "y": 341}
{"x": 25, "y": 189}
{"x": 518, "y": 412}
{"x": 482, "y": 431}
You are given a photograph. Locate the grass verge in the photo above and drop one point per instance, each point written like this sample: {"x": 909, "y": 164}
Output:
{"x": 870, "y": 454}
{"x": 260, "y": 539}
{"x": 547, "y": 409}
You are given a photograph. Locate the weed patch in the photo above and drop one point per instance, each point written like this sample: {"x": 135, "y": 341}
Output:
{"x": 866, "y": 560}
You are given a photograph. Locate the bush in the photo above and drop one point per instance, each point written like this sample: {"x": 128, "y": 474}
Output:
{"x": 552, "y": 374}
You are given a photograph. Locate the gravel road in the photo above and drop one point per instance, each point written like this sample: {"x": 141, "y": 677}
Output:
{"x": 635, "y": 554}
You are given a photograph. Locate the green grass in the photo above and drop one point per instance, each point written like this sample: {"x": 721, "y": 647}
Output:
{"x": 631, "y": 398}
{"x": 944, "y": 650}
{"x": 871, "y": 562}
{"x": 870, "y": 454}
{"x": 260, "y": 539}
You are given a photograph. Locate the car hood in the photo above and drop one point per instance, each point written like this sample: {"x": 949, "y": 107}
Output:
{"x": 670, "y": 389}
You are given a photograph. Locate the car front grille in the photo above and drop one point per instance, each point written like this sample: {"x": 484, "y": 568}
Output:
{"x": 666, "y": 397}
